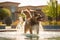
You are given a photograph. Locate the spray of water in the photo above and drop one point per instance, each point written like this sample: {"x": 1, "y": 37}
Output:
{"x": 40, "y": 26}
{"x": 20, "y": 29}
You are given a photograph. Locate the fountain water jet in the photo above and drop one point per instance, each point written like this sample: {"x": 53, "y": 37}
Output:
{"x": 41, "y": 30}
{"x": 40, "y": 26}
{"x": 20, "y": 29}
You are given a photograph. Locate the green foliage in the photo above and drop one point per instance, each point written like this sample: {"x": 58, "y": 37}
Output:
{"x": 4, "y": 13}
{"x": 58, "y": 9}
{"x": 52, "y": 10}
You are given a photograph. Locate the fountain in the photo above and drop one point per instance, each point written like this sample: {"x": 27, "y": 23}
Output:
{"x": 40, "y": 26}
{"x": 20, "y": 29}
{"x": 20, "y": 32}
{"x": 41, "y": 30}
{"x": 45, "y": 34}
{"x": 19, "y": 35}
{"x": 37, "y": 28}
{"x": 20, "y": 26}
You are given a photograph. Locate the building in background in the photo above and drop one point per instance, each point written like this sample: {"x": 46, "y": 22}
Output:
{"x": 12, "y": 6}
{"x": 15, "y": 9}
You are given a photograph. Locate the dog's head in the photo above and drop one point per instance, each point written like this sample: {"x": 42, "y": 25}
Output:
{"x": 39, "y": 15}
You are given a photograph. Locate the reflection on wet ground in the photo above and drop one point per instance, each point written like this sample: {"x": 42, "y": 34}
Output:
{"x": 42, "y": 36}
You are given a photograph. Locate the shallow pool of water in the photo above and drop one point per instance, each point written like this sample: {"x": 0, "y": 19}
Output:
{"x": 45, "y": 35}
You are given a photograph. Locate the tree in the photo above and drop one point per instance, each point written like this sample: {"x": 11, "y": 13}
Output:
{"x": 4, "y": 13}
{"x": 59, "y": 12}
{"x": 51, "y": 10}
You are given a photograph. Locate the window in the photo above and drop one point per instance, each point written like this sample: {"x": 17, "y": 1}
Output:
{"x": 13, "y": 9}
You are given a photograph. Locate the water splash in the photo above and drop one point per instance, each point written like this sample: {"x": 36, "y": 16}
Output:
{"x": 42, "y": 34}
{"x": 40, "y": 27}
{"x": 20, "y": 29}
